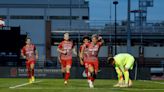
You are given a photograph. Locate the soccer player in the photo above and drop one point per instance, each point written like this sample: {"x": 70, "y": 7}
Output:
{"x": 92, "y": 58}
{"x": 65, "y": 49}
{"x": 30, "y": 53}
{"x": 123, "y": 62}
{"x": 83, "y": 61}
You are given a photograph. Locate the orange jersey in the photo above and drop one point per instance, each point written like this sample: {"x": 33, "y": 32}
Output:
{"x": 29, "y": 52}
{"x": 85, "y": 53}
{"x": 93, "y": 50}
{"x": 66, "y": 46}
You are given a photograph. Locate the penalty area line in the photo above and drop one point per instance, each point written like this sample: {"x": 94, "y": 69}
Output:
{"x": 24, "y": 84}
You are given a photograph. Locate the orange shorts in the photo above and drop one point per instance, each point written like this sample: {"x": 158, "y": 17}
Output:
{"x": 65, "y": 63}
{"x": 94, "y": 64}
{"x": 29, "y": 62}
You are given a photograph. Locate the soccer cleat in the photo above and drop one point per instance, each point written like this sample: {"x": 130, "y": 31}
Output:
{"x": 91, "y": 84}
{"x": 124, "y": 86}
{"x": 65, "y": 82}
{"x": 121, "y": 82}
{"x": 33, "y": 79}
{"x": 130, "y": 83}
{"x": 117, "y": 85}
{"x": 30, "y": 81}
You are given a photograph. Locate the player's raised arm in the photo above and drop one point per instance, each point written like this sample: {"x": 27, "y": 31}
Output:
{"x": 100, "y": 40}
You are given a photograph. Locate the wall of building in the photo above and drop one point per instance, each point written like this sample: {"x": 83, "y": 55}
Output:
{"x": 31, "y": 15}
{"x": 41, "y": 1}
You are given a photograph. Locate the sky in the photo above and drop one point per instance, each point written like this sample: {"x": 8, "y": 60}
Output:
{"x": 100, "y": 10}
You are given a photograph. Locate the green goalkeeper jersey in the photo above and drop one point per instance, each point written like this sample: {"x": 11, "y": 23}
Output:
{"x": 124, "y": 60}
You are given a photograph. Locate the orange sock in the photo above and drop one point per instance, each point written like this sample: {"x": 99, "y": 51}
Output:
{"x": 29, "y": 73}
{"x": 67, "y": 75}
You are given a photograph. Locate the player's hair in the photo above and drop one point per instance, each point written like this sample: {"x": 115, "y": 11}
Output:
{"x": 110, "y": 60}
{"x": 28, "y": 38}
{"x": 66, "y": 33}
{"x": 86, "y": 37}
{"x": 95, "y": 36}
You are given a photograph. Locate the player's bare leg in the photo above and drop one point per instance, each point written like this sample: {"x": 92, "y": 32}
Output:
{"x": 29, "y": 75}
{"x": 32, "y": 72}
{"x": 120, "y": 82}
{"x": 120, "y": 78}
{"x": 88, "y": 77}
{"x": 28, "y": 71}
{"x": 87, "y": 74}
{"x": 67, "y": 75}
{"x": 91, "y": 71}
{"x": 63, "y": 70}
{"x": 126, "y": 75}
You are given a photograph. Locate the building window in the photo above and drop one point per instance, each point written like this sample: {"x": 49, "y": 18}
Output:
{"x": 86, "y": 2}
{"x": 85, "y": 18}
{"x": 26, "y": 17}
{"x": 64, "y": 17}
{"x": 3, "y": 17}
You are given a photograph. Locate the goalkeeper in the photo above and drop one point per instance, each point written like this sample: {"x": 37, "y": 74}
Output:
{"x": 123, "y": 62}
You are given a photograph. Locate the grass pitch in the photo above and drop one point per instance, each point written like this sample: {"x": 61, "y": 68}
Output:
{"x": 76, "y": 85}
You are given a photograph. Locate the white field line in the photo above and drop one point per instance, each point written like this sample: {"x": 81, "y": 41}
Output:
{"x": 152, "y": 81}
{"x": 74, "y": 88}
{"x": 24, "y": 84}
{"x": 51, "y": 88}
